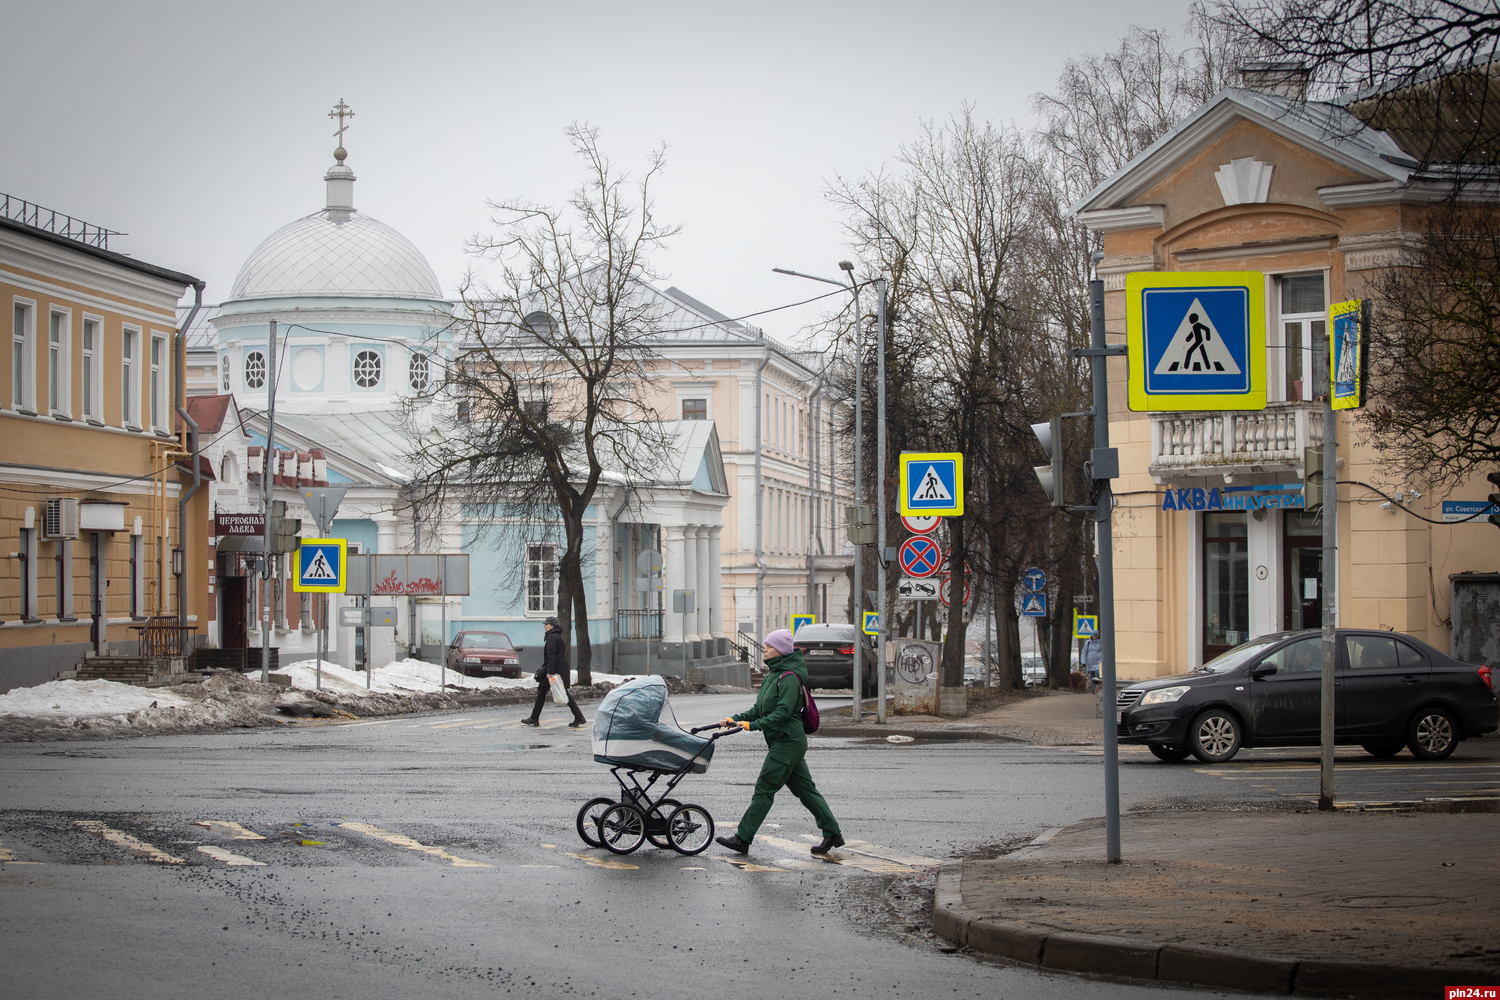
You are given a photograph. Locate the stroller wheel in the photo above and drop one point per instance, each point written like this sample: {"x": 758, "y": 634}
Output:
{"x": 588, "y": 819}
{"x": 622, "y": 828}
{"x": 690, "y": 828}
{"x": 656, "y": 823}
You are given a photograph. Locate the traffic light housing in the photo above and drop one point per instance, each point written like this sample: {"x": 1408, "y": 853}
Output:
{"x": 1049, "y": 435}
{"x": 1312, "y": 479}
{"x": 1494, "y": 518}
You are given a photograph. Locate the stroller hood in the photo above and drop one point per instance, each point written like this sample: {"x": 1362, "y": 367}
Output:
{"x": 635, "y": 727}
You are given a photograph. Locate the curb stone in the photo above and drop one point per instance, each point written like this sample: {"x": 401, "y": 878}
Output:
{"x": 1099, "y": 954}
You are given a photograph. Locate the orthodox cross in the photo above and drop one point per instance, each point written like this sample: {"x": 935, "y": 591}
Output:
{"x": 341, "y": 111}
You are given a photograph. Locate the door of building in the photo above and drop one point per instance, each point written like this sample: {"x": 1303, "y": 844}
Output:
{"x": 234, "y": 602}
{"x": 1226, "y": 582}
{"x": 1302, "y": 571}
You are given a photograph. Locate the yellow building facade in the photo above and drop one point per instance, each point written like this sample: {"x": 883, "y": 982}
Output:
{"x": 1212, "y": 544}
{"x": 90, "y": 448}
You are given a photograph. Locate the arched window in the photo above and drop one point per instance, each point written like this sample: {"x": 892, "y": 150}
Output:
{"x": 367, "y": 369}
{"x": 224, "y": 370}
{"x": 539, "y": 323}
{"x": 255, "y": 370}
{"x": 419, "y": 375}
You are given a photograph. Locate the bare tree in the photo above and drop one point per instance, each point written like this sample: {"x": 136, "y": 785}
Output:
{"x": 1435, "y": 353}
{"x": 550, "y": 388}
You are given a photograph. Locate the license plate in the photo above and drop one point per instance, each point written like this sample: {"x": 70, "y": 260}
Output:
{"x": 820, "y": 652}
{"x": 1119, "y": 713}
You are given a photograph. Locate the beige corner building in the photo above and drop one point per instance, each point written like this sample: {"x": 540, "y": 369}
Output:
{"x": 91, "y": 480}
{"x": 1212, "y": 544}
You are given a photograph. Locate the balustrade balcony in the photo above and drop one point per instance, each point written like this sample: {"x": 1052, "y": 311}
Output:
{"x": 1230, "y": 443}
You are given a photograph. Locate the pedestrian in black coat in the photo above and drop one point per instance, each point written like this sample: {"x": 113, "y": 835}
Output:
{"x": 554, "y": 661}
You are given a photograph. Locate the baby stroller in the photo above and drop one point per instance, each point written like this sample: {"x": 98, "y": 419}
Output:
{"x": 636, "y": 734}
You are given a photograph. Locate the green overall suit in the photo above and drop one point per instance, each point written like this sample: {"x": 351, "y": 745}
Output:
{"x": 778, "y": 714}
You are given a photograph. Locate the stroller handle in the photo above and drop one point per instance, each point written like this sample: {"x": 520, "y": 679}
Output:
{"x": 704, "y": 729}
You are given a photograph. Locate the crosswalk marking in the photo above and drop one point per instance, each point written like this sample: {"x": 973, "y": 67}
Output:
{"x": 230, "y": 858}
{"x": 128, "y": 842}
{"x": 401, "y": 840}
{"x": 228, "y": 828}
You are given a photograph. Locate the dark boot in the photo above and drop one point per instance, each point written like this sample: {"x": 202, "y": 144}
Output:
{"x": 830, "y": 841}
{"x": 530, "y": 722}
{"x": 734, "y": 843}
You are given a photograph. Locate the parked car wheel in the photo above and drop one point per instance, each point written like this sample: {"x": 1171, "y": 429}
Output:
{"x": 1433, "y": 734}
{"x": 1383, "y": 749}
{"x": 1172, "y": 755}
{"x": 1215, "y": 736}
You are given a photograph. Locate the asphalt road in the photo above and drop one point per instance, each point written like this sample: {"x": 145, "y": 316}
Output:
{"x": 437, "y": 856}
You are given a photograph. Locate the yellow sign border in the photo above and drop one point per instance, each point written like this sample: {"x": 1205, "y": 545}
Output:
{"x": 1078, "y": 617}
{"x": 343, "y": 583}
{"x": 1334, "y": 312}
{"x": 865, "y": 623}
{"x": 797, "y": 621}
{"x": 1140, "y": 400}
{"x": 908, "y": 458}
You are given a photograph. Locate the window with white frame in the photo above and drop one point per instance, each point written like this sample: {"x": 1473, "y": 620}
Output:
{"x": 130, "y": 390}
{"x": 367, "y": 369}
{"x": 1304, "y": 322}
{"x": 93, "y": 349}
{"x": 255, "y": 370}
{"x": 22, "y": 368}
{"x": 158, "y": 388}
{"x": 419, "y": 373}
{"x": 58, "y": 375}
{"x": 541, "y": 579}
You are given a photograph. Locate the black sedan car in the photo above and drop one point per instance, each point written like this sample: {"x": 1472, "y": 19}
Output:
{"x": 1390, "y": 691}
{"x": 829, "y": 652}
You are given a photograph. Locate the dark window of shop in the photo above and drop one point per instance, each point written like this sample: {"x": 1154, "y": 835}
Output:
{"x": 1302, "y": 606}
{"x": 1226, "y": 583}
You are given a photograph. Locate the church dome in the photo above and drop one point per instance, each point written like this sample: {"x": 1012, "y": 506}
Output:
{"x": 337, "y": 253}
{"x": 350, "y": 257}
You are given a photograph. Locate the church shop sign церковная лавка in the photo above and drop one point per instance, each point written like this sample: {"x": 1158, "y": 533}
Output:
{"x": 1280, "y": 496}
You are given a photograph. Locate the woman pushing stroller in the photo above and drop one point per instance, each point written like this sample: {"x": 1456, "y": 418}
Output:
{"x": 778, "y": 714}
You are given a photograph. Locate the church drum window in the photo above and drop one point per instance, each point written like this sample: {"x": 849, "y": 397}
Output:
{"x": 367, "y": 369}
{"x": 419, "y": 375}
{"x": 255, "y": 370}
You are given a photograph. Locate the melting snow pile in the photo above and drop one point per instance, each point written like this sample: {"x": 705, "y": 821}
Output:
{"x": 409, "y": 677}
{"x": 65, "y": 698}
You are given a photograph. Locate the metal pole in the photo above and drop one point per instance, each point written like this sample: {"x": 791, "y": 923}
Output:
{"x": 880, "y": 513}
{"x": 1330, "y": 570}
{"x": 266, "y": 476}
{"x": 1106, "y": 557}
{"x": 859, "y": 550}
{"x": 323, "y": 631}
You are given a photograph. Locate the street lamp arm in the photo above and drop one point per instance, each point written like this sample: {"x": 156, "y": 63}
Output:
{"x": 827, "y": 281}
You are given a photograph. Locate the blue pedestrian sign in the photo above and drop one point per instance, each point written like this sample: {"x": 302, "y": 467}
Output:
{"x": 800, "y": 620}
{"x": 871, "y": 623}
{"x": 1034, "y": 579}
{"x": 1085, "y": 626}
{"x": 1196, "y": 340}
{"x": 932, "y": 483}
{"x": 322, "y": 566}
{"x": 1034, "y": 604}
{"x": 920, "y": 556}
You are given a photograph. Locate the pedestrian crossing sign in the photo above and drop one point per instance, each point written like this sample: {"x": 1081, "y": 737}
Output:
{"x": 1085, "y": 626}
{"x": 932, "y": 483}
{"x": 871, "y": 623}
{"x": 800, "y": 620}
{"x": 1034, "y": 604}
{"x": 1196, "y": 340}
{"x": 322, "y": 565}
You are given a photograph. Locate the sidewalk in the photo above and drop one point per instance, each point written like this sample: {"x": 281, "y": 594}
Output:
{"x": 1363, "y": 904}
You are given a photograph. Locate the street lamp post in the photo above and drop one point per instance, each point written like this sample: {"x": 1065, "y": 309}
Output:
{"x": 858, "y": 595}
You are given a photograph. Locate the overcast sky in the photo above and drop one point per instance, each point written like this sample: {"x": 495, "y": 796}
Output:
{"x": 198, "y": 129}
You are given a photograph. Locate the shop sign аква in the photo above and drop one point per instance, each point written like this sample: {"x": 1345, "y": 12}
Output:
{"x": 1280, "y": 496}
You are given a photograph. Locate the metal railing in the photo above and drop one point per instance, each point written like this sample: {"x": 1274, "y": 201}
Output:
{"x": 30, "y": 214}
{"x": 637, "y": 623}
{"x": 1211, "y": 441}
{"x": 164, "y": 635}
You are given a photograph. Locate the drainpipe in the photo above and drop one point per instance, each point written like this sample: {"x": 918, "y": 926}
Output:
{"x": 191, "y": 427}
{"x": 614, "y": 631}
{"x": 760, "y": 561}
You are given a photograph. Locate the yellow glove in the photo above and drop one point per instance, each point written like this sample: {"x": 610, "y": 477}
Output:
{"x": 733, "y": 723}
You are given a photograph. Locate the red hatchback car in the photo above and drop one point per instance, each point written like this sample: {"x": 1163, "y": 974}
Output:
{"x": 480, "y": 653}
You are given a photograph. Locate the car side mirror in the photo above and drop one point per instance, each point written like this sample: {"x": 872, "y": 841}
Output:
{"x": 1263, "y": 670}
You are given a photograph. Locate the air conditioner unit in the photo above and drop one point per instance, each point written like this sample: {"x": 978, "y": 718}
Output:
{"x": 61, "y": 519}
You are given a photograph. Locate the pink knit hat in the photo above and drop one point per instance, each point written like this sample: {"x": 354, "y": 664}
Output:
{"x": 780, "y": 640}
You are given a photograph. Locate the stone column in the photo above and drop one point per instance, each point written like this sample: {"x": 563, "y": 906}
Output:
{"x": 690, "y": 576}
{"x": 708, "y": 586}
{"x": 672, "y": 579}
{"x": 716, "y": 578}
